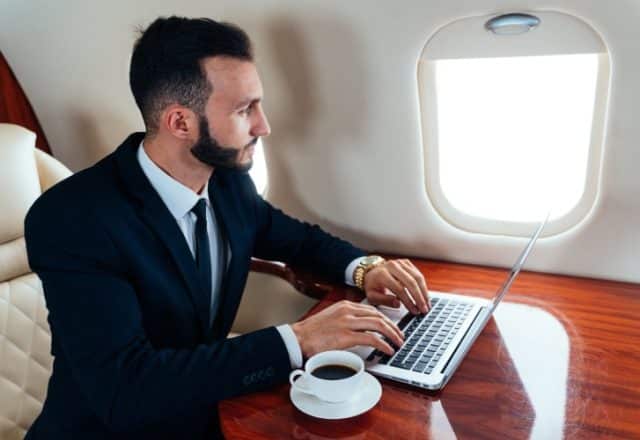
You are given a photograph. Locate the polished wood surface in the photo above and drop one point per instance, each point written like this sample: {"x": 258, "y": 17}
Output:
{"x": 303, "y": 281}
{"x": 560, "y": 359}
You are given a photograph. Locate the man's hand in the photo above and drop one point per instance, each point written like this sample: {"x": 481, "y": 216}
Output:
{"x": 343, "y": 325}
{"x": 396, "y": 281}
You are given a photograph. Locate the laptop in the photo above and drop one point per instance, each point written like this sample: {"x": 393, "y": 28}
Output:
{"x": 436, "y": 343}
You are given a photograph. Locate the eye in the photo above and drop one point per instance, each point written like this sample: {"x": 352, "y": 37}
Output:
{"x": 246, "y": 111}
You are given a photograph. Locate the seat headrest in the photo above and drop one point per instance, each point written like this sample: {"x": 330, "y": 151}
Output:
{"x": 19, "y": 182}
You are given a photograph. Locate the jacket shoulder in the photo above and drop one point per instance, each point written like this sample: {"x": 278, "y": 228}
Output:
{"x": 74, "y": 197}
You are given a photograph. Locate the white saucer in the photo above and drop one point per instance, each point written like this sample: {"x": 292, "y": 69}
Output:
{"x": 362, "y": 402}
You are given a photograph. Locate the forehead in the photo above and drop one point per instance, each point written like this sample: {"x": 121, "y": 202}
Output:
{"x": 233, "y": 80}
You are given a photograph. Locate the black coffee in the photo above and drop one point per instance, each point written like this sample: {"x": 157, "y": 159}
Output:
{"x": 334, "y": 372}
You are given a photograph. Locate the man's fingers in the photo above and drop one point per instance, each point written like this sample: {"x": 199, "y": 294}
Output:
{"x": 400, "y": 292}
{"x": 417, "y": 275}
{"x": 371, "y": 340}
{"x": 360, "y": 309}
{"x": 410, "y": 284}
{"x": 393, "y": 285}
{"x": 383, "y": 299}
{"x": 364, "y": 311}
{"x": 381, "y": 326}
{"x": 396, "y": 288}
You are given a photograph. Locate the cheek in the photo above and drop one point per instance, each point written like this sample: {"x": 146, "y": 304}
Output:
{"x": 235, "y": 133}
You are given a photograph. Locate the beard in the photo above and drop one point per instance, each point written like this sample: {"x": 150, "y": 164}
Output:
{"x": 207, "y": 150}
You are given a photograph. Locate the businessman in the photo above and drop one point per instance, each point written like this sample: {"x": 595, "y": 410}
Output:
{"x": 144, "y": 256}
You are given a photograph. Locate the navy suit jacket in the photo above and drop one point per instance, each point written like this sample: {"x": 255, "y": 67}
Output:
{"x": 134, "y": 357}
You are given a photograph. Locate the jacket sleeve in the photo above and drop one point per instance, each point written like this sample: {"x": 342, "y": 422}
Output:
{"x": 283, "y": 238}
{"x": 97, "y": 328}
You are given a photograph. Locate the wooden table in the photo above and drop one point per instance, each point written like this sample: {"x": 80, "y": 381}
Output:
{"x": 560, "y": 359}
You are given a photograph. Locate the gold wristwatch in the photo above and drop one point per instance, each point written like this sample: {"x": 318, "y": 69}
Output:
{"x": 365, "y": 265}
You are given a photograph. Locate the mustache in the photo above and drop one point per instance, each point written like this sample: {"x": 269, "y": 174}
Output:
{"x": 252, "y": 143}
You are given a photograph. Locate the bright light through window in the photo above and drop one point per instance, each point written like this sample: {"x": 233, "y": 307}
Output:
{"x": 258, "y": 171}
{"x": 514, "y": 133}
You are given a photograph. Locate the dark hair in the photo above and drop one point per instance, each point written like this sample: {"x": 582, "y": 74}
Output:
{"x": 166, "y": 64}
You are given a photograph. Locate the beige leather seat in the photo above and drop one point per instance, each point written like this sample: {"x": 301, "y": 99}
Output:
{"x": 25, "y": 360}
{"x": 269, "y": 300}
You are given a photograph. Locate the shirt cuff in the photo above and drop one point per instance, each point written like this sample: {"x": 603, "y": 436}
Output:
{"x": 348, "y": 273}
{"x": 291, "y": 343}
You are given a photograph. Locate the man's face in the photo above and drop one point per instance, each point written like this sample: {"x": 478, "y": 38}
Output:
{"x": 233, "y": 119}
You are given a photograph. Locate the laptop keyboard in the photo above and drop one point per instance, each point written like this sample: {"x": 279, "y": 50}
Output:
{"x": 427, "y": 336}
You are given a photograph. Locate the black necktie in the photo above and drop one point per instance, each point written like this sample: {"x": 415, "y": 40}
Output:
{"x": 203, "y": 254}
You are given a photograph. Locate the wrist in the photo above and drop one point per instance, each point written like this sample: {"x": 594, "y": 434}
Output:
{"x": 364, "y": 267}
{"x": 298, "y": 331}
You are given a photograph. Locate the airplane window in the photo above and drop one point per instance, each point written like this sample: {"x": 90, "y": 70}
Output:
{"x": 258, "y": 171}
{"x": 510, "y": 137}
{"x": 514, "y": 133}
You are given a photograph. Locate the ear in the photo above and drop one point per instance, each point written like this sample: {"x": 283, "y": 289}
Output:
{"x": 180, "y": 122}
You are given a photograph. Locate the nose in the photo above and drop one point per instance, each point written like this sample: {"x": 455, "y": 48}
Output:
{"x": 260, "y": 125}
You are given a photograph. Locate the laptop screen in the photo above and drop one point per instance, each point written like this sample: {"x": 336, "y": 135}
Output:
{"x": 516, "y": 267}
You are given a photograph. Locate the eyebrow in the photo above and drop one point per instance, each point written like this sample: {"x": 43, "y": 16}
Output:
{"x": 246, "y": 102}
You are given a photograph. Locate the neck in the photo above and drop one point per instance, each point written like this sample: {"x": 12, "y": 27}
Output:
{"x": 176, "y": 160}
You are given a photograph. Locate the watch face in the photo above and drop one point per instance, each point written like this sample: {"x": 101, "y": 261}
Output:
{"x": 371, "y": 259}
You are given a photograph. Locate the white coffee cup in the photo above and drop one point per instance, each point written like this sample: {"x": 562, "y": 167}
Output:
{"x": 329, "y": 390}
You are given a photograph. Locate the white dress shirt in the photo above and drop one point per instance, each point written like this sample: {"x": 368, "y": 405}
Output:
{"x": 180, "y": 199}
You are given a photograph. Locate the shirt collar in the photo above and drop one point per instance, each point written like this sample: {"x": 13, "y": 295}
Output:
{"x": 176, "y": 196}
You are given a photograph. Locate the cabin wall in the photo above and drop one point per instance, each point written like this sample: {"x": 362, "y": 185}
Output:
{"x": 341, "y": 93}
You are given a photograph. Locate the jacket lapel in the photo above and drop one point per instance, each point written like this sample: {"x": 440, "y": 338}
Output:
{"x": 157, "y": 216}
{"x": 227, "y": 215}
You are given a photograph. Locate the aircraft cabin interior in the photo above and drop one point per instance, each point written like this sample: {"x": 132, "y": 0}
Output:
{"x": 489, "y": 148}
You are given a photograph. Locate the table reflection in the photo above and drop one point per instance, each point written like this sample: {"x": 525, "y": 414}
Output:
{"x": 538, "y": 345}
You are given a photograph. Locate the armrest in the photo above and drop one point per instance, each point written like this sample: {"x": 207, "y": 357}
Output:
{"x": 303, "y": 281}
